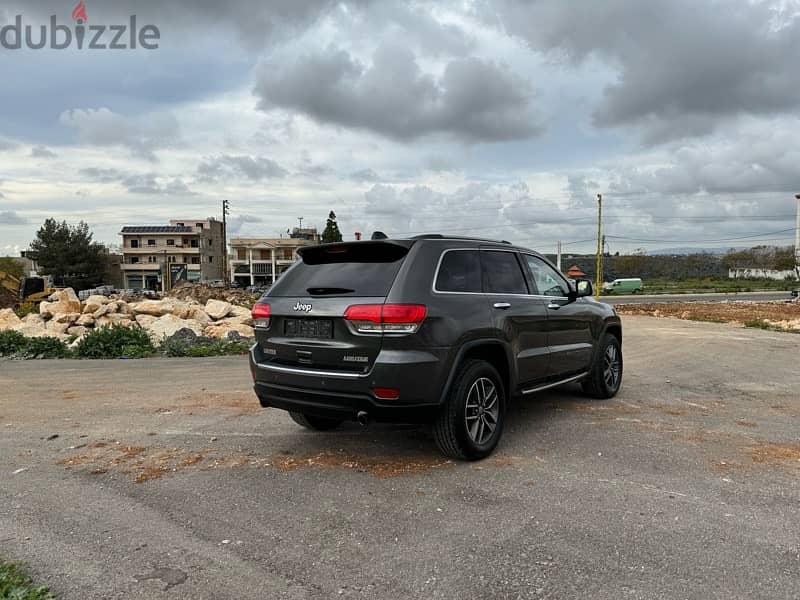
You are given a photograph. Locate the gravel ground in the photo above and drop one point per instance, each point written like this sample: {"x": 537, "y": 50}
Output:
{"x": 163, "y": 479}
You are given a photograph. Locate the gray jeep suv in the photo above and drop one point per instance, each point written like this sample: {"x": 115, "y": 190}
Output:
{"x": 430, "y": 329}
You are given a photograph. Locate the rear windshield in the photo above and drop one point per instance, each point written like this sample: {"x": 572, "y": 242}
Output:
{"x": 361, "y": 269}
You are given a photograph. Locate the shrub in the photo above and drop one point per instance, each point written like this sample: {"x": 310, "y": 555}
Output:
{"x": 43, "y": 347}
{"x": 757, "y": 323}
{"x": 202, "y": 347}
{"x": 11, "y": 342}
{"x": 115, "y": 341}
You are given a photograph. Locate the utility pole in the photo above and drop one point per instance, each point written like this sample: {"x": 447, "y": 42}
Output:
{"x": 598, "y": 276}
{"x": 797, "y": 238}
{"x": 226, "y": 205}
{"x": 558, "y": 256}
{"x": 301, "y": 221}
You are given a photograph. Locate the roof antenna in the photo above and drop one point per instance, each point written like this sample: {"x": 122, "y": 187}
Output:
{"x": 379, "y": 235}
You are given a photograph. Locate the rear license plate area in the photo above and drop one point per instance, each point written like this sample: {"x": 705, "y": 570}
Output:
{"x": 308, "y": 328}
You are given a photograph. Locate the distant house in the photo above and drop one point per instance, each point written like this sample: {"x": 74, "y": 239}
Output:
{"x": 575, "y": 272}
{"x": 155, "y": 257}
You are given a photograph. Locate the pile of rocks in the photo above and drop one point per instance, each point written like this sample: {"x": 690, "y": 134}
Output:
{"x": 65, "y": 315}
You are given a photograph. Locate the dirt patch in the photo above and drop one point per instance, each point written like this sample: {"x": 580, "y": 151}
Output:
{"x": 776, "y": 453}
{"x": 781, "y": 315}
{"x": 146, "y": 464}
{"x": 241, "y": 402}
{"x": 142, "y": 464}
{"x": 379, "y": 467}
{"x": 743, "y": 423}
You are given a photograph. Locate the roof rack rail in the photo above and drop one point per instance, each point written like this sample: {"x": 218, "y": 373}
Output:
{"x": 439, "y": 236}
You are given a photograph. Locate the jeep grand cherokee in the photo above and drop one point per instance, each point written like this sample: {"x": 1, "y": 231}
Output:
{"x": 430, "y": 329}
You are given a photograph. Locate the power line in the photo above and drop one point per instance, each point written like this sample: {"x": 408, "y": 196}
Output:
{"x": 733, "y": 239}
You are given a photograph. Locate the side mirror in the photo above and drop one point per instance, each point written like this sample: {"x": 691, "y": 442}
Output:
{"x": 584, "y": 288}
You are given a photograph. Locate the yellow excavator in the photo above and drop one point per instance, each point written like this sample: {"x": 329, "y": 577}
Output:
{"x": 27, "y": 289}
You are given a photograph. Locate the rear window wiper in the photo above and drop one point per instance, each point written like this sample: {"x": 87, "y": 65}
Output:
{"x": 326, "y": 291}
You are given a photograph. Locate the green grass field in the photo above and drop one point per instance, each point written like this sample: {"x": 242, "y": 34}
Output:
{"x": 710, "y": 284}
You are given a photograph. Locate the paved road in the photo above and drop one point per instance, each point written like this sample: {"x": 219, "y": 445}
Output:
{"x": 640, "y": 299}
{"x": 165, "y": 481}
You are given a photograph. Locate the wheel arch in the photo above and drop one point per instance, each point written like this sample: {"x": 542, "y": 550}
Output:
{"x": 495, "y": 352}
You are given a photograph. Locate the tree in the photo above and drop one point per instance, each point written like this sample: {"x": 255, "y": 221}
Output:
{"x": 331, "y": 233}
{"x": 67, "y": 253}
{"x": 12, "y": 267}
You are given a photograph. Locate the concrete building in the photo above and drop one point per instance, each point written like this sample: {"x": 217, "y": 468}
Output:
{"x": 157, "y": 256}
{"x": 256, "y": 261}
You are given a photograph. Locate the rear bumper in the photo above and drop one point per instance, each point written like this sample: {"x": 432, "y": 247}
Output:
{"x": 419, "y": 376}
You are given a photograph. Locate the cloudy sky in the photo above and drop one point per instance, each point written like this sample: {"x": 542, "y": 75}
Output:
{"x": 493, "y": 118}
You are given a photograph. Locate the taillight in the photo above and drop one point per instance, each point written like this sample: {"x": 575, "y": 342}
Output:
{"x": 386, "y": 318}
{"x": 261, "y": 315}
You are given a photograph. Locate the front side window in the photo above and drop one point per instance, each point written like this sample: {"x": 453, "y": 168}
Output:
{"x": 459, "y": 271}
{"x": 502, "y": 273}
{"x": 546, "y": 279}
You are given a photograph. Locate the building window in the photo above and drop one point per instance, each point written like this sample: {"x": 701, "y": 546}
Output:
{"x": 194, "y": 243}
{"x": 211, "y": 259}
{"x": 134, "y": 243}
{"x": 170, "y": 242}
{"x": 241, "y": 254}
{"x": 199, "y": 225}
{"x": 210, "y": 242}
{"x": 195, "y": 260}
{"x": 134, "y": 260}
{"x": 151, "y": 259}
{"x": 181, "y": 225}
{"x": 151, "y": 242}
{"x": 171, "y": 259}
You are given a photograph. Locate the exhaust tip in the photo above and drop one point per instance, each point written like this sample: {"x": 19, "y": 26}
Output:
{"x": 362, "y": 417}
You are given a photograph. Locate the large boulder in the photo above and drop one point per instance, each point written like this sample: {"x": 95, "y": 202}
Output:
{"x": 146, "y": 320}
{"x": 9, "y": 319}
{"x": 32, "y": 330}
{"x": 77, "y": 330}
{"x": 217, "y": 309}
{"x": 85, "y": 320}
{"x": 159, "y": 308}
{"x": 56, "y": 329}
{"x": 167, "y": 325}
{"x": 66, "y": 317}
{"x": 33, "y": 319}
{"x": 197, "y": 313}
{"x": 221, "y": 329}
{"x": 62, "y": 301}
{"x": 114, "y": 319}
{"x": 94, "y": 302}
{"x": 241, "y": 314}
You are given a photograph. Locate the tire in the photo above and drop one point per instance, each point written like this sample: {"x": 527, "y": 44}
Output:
{"x": 605, "y": 377}
{"x": 461, "y": 427}
{"x": 314, "y": 423}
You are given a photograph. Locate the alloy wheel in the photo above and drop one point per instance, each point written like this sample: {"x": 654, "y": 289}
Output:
{"x": 482, "y": 410}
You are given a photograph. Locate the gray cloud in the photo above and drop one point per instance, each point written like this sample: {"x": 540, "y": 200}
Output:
{"x": 10, "y": 217}
{"x": 142, "y": 134}
{"x": 6, "y": 144}
{"x": 473, "y": 100}
{"x": 227, "y": 166}
{"x": 150, "y": 183}
{"x": 235, "y": 223}
{"x": 139, "y": 183}
{"x": 42, "y": 152}
{"x": 684, "y": 67}
{"x": 365, "y": 175}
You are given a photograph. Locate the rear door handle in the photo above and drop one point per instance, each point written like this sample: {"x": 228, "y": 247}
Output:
{"x": 502, "y": 305}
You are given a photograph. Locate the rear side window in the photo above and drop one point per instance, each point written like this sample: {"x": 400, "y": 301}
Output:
{"x": 502, "y": 273}
{"x": 459, "y": 271}
{"x": 361, "y": 269}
